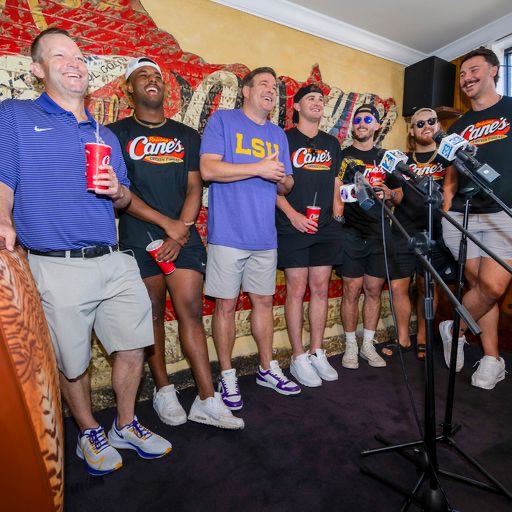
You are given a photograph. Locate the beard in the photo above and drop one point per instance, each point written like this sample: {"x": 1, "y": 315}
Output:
{"x": 363, "y": 138}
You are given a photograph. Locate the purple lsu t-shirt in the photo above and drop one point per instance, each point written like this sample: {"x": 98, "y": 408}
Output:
{"x": 241, "y": 213}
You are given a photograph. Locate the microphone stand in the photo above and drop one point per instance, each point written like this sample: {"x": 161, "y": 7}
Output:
{"x": 434, "y": 498}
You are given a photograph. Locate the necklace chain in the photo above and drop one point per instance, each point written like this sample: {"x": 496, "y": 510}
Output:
{"x": 148, "y": 125}
{"x": 429, "y": 161}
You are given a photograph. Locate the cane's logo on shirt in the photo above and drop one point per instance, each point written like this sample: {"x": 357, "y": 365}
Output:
{"x": 312, "y": 159}
{"x": 486, "y": 131}
{"x": 436, "y": 170}
{"x": 156, "y": 150}
{"x": 254, "y": 146}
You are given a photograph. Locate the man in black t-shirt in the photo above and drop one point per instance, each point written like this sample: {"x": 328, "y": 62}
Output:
{"x": 307, "y": 249}
{"x": 363, "y": 262}
{"x": 487, "y": 125}
{"x": 162, "y": 157}
{"x": 412, "y": 214}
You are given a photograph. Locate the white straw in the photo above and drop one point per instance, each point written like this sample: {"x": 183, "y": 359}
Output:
{"x": 97, "y": 132}
{"x": 150, "y": 237}
{"x": 314, "y": 199}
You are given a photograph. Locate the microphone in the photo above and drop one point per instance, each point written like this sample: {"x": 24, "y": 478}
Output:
{"x": 349, "y": 166}
{"x": 361, "y": 187}
{"x": 395, "y": 162}
{"x": 453, "y": 147}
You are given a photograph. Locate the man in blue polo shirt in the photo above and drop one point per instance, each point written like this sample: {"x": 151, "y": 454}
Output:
{"x": 70, "y": 236}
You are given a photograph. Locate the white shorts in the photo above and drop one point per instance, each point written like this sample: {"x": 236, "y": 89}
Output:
{"x": 493, "y": 230}
{"x": 227, "y": 268}
{"x": 104, "y": 293}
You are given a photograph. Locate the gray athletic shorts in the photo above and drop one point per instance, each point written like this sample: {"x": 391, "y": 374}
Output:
{"x": 227, "y": 268}
{"x": 104, "y": 293}
{"x": 494, "y": 230}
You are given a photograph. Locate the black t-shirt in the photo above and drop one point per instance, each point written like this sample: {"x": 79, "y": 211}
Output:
{"x": 489, "y": 129}
{"x": 158, "y": 162}
{"x": 367, "y": 223}
{"x": 316, "y": 162}
{"x": 412, "y": 212}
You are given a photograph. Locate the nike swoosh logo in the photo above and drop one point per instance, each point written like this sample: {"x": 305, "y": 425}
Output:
{"x": 37, "y": 129}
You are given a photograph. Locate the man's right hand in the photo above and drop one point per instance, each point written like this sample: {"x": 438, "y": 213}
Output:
{"x": 302, "y": 223}
{"x": 7, "y": 237}
{"x": 270, "y": 168}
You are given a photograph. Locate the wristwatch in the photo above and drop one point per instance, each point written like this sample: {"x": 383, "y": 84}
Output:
{"x": 339, "y": 218}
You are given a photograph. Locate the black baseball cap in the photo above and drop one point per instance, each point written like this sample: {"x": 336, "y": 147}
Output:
{"x": 305, "y": 89}
{"x": 370, "y": 109}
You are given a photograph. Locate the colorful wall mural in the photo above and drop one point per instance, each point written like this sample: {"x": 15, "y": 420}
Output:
{"x": 110, "y": 32}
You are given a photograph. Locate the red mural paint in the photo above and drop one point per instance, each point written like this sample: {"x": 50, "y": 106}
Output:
{"x": 110, "y": 33}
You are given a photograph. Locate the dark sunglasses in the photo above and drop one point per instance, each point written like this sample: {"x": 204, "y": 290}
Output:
{"x": 431, "y": 122}
{"x": 366, "y": 119}
{"x": 312, "y": 147}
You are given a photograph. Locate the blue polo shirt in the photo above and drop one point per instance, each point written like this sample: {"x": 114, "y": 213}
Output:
{"x": 43, "y": 161}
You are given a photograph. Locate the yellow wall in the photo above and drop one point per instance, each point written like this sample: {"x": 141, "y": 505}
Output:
{"x": 221, "y": 35}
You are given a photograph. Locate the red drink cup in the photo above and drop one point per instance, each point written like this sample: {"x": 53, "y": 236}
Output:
{"x": 313, "y": 213}
{"x": 95, "y": 156}
{"x": 167, "y": 267}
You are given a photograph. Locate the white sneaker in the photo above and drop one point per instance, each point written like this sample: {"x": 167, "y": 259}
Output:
{"x": 322, "y": 366}
{"x": 369, "y": 353}
{"x": 229, "y": 390}
{"x": 99, "y": 456}
{"x": 135, "y": 436}
{"x": 213, "y": 411}
{"x": 167, "y": 406}
{"x": 445, "y": 330}
{"x": 302, "y": 369}
{"x": 275, "y": 379}
{"x": 490, "y": 371}
{"x": 350, "y": 359}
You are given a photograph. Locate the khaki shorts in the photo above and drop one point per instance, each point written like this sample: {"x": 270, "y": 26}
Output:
{"x": 105, "y": 294}
{"x": 493, "y": 230}
{"x": 227, "y": 268}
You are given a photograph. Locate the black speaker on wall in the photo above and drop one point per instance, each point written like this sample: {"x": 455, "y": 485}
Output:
{"x": 428, "y": 83}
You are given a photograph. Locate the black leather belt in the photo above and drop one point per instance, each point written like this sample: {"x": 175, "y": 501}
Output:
{"x": 86, "y": 252}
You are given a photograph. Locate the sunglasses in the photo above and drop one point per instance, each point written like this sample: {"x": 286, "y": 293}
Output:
{"x": 431, "y": 122}
{"x": 366, "y": 119}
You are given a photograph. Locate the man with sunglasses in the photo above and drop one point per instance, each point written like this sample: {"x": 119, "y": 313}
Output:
{"x": 363, "y": 262}
{"x": 487, "y": 125}
{"x": 307, "y": 249}
{"x": 423, "y": 161}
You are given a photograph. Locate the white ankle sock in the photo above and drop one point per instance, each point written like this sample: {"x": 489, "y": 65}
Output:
{"x": 350, "y": 337}
{"x": 368, "y": 335}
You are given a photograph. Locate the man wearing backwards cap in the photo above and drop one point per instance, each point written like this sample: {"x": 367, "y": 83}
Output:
{"x": 307, "y": 249}
{"x": 363, "y": 261}
{"x": 162, "y": 157}
{"x": 70, "y": 236}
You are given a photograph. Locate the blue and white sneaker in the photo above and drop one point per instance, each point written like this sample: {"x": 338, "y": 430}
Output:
{"x": 274, "y": 378}
{"x": 99, "y": 456}
{"x": 229, "y": 390}
{"x": 136, "y": 437}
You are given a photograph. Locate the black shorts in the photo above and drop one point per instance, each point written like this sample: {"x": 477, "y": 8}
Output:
{"x": 362, "y": 256}
{"x": 303, "y": 250}
{"x": 192, "y": 256}
{"x": 404, "y": 263}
